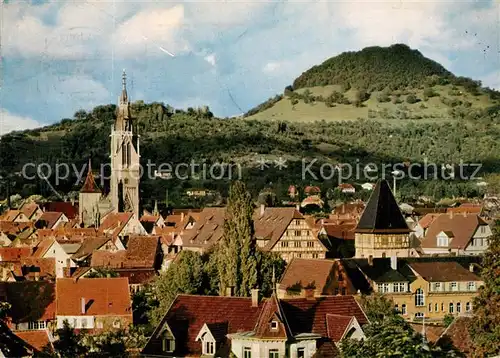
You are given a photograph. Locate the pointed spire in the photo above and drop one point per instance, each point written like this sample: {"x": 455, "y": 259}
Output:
{"x": 90, "y": 185}
{"x": 124, "y": 95}
{"x": 156, "y": 212}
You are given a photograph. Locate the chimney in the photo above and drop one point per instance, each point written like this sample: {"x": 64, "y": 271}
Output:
{"x": 83, "y": 305}
{"x": 471, "y": 267}
{"x": 465, "y": 214}
{"x": 450, "y": 213}
{"x": 72, "y": 201}
{"x": 394, "y": 262}
{"x": 229, "y": 291}
{"x": 309, "y": 293}
{"x": 182, "y": 217}
{"x": 37, "y": 275}
{"x": 297, "y": 207}
{"x": 370, "y": 260}
{"x": 262, "y": 209}
{"x": 255, "y": 297}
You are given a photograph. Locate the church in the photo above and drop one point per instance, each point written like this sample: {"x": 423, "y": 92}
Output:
{"x": 125, "y": 170}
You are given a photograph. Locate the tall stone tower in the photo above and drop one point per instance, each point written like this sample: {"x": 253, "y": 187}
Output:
{"x": 382, "y": 230}
{"x": 88, "y": 202}
{"x": 125, "y": 155}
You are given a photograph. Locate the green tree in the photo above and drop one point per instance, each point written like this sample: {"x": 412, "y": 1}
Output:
{"x": 68, "y": 344}
{"x": 378, "y": 307}
{"x": 390, "y": 337}
{"x": 185, "y": 275}
{"x": 411, "y": 98}
{"x": 237, "y": 263}
{"x": 102, "y": 272}
{"x": 106, "y": 344}
{"x": 485, "y": 330}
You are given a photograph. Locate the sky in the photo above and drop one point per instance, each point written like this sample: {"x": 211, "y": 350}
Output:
{"x": 61, "y": 56}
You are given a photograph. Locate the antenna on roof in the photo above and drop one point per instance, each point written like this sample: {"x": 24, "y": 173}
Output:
{"x": 274, "y": 280}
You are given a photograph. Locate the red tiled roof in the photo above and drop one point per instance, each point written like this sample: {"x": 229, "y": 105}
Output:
{"x": 307, "y": 272}
{"x": 465, "y": 208}
{"x": 14, "y": 253}
{"x": 141, "y": 252}
{"x": 427, "y": 220}
{"x": 43, "y": 267}
{"x": 10, "y": 215}
{"x": 344, "y": 231}
{"x": 90, "y": 186}
{"x": 42, "y": 247}
{"x": 138, "y": 276}
{"x": 463, "y": 227}
{"x": 273, "y": 223}
{"x": 48, "y": 219}
{"x": 309, "y": 315}
{"x": 312, "y": 190}
{"x": 36, "y": 339}
{"x": 29, "y": 209}
{"x": 272, "y": 311}
{"x": 443, "y": 271}
{"x": 345, "y": 186}
{"x": 458, "y": 333}
{"x": 114, "y": 223}
{"x": 14, "y": 228}
{"x": 65, "y": 207}
{"x": 188, "y": 314}
{"x": 336, "y": 326}
{"x": 432, "y": 332}
{"x": 103, "y": 296}
{"x": 312, "y": 200}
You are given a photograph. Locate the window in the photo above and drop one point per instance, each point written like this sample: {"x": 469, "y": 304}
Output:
{"x": 274, "y": 353}
{"x": 315, "y": 256}
{"x": 459, "y": 307}
{"x": 442, "y": 241}
{"x": 402, "y": 287}
{"x": 36, "y": 325}
{"x": 209, "y": 347}
{"x": 436, "y": 307}
{"x": 310, "y": 244}
{"x": 168, "y": 344}
{"x": 386, "y": 287}
{"x": 442, "y": 307}
{"x": 100, "y": 324}
{"x": 247, "y": 352}
{"x": 380, "y": 287}
{"x": 84, "y": 323}
{"x": 344, "y": 291}
{"x": 467, "y": 307}
{"x": 117, "y": 323}
{"x": 471, "y": 286}
{"x": 419, "y": 298}
{"x": 301, "y": 352}
{"x": 403, "y": 309}
{"x": 419, "y": 315}
{"x": 298, "y": 233}
{"x": 274, "y": 325}
{"x": 453, "y": 286}
{"x": 297, "y": 244}
{"x": 430, "y": 307}
{"x": 451, "y": 307}
{"x": 336, "y": 291}
{"x": 297, "y": 222}
{"x": 74, "y": 322}
{"x": 340, "y": 277}
{"x": 396, "y": 308}
{"x": 482, "y": 229}
{"x": 437, "y": 286}
{"x": 395, "y": 287}
{"x": 284, "y": 243}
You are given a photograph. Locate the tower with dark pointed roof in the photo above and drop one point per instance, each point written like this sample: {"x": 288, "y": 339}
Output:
{"x": 125, "y": 155}
{"x": 382, "y": 230}
{"x": 88, "y": 199}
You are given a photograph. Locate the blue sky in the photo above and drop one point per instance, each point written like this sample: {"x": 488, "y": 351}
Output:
{"x": 60, "y": 56}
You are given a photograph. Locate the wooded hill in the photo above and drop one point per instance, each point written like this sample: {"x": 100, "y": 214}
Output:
{"x": 468, "y": 130}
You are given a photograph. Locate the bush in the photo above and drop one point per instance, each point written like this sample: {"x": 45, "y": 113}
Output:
{"x": 383, "y": 97}
{"x": 429, "y": 92}
{"x": 411, "y": 98}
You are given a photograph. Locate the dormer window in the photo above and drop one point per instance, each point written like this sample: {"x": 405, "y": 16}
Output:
{"x": 209, "y": 348}
{"x": 443, "y": 238}
{"x": 274, "y": 325}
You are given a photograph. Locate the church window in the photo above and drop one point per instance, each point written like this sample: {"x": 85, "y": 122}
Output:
{"x": 419, "y": 298}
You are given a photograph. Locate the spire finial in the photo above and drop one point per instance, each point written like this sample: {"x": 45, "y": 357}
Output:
{"x": 124, "y": 80}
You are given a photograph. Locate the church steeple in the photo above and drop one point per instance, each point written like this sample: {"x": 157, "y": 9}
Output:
{"x": 124, "y": 95}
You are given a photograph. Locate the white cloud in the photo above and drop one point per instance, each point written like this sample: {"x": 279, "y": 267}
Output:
{"x": 210, "y": 59}
{"x": 157, "y": 28}
{"x": 11, "y": 122}
{"x": 492, "y": 80}
{"x": 271, "y": 67}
